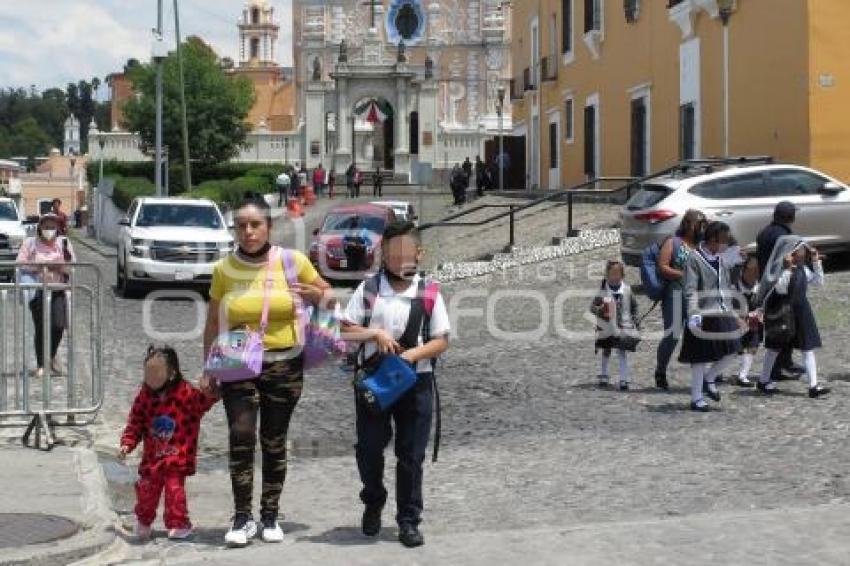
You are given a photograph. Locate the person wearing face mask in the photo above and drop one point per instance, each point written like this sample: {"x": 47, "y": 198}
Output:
{"x": 47, "y": 247}
{"x": 714, "y": 330}
{"x": 397, "y": 312}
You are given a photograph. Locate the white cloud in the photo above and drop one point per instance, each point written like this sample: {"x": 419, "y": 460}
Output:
{"x": 52, "y": 42}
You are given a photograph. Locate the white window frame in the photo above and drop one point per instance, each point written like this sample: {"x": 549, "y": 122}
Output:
{"x": 534, "y": 41}
{"x": 593, "y": 39}
{"x": 594, "y": 100}
{"x": 644, "y": 91}
{"x": 569, "y": 136}
{"x": 569, "y": 56}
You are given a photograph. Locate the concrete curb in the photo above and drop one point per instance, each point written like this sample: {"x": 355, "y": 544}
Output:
{"x": 97, "y": 529}
{"x": 98, "y": 249}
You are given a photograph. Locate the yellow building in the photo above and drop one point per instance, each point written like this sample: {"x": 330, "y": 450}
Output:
{"x": 627, "y": 87}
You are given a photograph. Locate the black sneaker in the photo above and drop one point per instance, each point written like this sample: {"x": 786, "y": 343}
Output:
{"x": 624, "y": 386}
{"x": 371, "y": 523}
{"x": 713, "y": 395}
{"x": 409, "y": 536}
{"x": 768, "y": 388}
{"x": 815, "y": 392}
{"x": 661, "y": 382}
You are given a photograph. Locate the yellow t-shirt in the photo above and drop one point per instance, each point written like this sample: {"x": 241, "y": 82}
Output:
{"x": 238, "y": 286}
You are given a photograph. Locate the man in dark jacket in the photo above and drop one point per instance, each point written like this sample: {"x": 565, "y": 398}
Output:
{"x": 783, "y": 217}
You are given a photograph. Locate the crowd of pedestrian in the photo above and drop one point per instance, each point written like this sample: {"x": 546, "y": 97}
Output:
{"x": 723, "y": 306}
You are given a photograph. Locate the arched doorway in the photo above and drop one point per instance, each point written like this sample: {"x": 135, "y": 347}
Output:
{"x": 374, "y": 133}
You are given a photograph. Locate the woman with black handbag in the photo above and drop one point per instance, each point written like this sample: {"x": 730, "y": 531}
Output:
{"x": 788, "y": 315}
{"x": 48, "y": 247}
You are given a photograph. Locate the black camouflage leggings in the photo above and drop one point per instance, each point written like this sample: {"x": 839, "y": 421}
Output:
{"x": 274, "y": 394}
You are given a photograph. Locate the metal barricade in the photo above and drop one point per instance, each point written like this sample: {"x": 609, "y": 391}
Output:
{"x": 74, "y": 394}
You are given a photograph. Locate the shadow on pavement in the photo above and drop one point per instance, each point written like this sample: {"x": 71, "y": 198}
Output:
{"x": 351, "y": 536}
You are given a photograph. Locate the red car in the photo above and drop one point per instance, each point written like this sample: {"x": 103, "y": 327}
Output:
{"x": 347, "y": 246}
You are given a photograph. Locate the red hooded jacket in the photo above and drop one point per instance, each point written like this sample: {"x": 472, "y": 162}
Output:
{"x": 169, "y": 423}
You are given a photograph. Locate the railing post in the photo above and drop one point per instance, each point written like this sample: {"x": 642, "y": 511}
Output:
{"x": 511, "y": 237}
{"x": 570, "y": 232}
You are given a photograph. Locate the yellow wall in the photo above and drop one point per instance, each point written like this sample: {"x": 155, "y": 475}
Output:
{"x": 830, "y": 105}
{"x": 767, "y": 83}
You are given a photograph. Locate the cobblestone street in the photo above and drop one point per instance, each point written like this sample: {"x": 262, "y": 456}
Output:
{"x": 529, "y": 441}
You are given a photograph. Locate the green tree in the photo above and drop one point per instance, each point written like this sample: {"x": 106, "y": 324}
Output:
{"x": 216, "y": 105}
{"x": 27, "y": 139}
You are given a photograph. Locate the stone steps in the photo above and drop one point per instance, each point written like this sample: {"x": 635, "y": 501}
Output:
{"x": 526, "y": 255}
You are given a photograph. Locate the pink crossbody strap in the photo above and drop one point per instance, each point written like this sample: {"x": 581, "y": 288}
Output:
{"x": 273, "y": 258}
{"x": 291, "y": 280}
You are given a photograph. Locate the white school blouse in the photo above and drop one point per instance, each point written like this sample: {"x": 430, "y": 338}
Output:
{"x": 391, "y": 311}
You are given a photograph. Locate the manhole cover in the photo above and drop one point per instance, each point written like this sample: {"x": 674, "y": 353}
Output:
{"x": 21, "y": 529}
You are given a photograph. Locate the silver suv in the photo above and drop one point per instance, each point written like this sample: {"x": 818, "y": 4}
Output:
{"x": 743, "y": 194}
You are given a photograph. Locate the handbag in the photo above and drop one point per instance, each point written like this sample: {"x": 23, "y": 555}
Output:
{"x": 320, "y": 330}
{"x": 385, "y": 378}
{"x": 779, "y": 324}
{"x": 237, "y": 355}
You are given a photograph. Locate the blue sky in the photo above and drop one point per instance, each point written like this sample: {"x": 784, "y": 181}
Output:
{"x": 52, "y": 42}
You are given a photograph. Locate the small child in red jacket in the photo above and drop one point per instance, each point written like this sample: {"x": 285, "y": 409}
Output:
{"x": 166, "y": 416}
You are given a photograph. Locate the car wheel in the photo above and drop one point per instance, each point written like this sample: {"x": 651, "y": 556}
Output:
{"x": 127, "y": 288}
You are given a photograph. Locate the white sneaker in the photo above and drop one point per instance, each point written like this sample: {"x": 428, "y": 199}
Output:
{"x": 272, "y": 531}
{"x": 142, "y": 532}
{"x": 243, "y": 530}
{"x": 180, "y": 534}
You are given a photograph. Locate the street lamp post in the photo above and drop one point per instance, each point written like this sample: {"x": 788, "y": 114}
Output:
{"x": 500, "y": 110}
{"x": 285, "y": 151}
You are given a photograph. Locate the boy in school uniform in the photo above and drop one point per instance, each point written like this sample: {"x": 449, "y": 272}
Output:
{"x": 398, "y": 312}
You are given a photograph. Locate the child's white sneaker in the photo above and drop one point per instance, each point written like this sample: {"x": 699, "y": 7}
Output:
{"x": 244, "y": 529}
{"x": 271, "y": 530}
{"x": 180, "y": 534}
{"x": 141, "y": 531}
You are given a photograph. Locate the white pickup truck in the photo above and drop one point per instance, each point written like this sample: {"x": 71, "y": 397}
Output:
{"x": 12, "y": 232}
{"x": 172, "y": 240}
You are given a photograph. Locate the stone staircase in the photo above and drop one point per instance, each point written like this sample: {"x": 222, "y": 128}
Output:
{"x": 524, "y": 255}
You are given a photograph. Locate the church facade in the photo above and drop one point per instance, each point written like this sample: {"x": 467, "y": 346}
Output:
{"x": 396, "y": 83}
{"x": 381, "y": 83}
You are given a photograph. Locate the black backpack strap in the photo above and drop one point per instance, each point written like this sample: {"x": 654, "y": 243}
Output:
{"x": 438, "y": 409}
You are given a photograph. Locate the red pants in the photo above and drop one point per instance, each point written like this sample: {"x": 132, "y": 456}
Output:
{"x": 148, "y": 490}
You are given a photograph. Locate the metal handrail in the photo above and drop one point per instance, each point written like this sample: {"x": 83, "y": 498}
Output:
{"x": 580, "y": 189}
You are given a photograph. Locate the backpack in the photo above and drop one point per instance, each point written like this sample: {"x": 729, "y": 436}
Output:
{"x": 651, "y": 280}
{"x": 429, "y": 291}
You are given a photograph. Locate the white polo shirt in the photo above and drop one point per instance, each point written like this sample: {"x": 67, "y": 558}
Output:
{"x": 391, "y": 312}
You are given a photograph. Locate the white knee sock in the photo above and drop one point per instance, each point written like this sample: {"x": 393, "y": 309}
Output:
{"x": 697, "y": 375}
{"x": 625, "y": 373}
{"x": 811, "y": 367}
{"x": 746, "y": 365}
{"x": 767, "y": 367}
{"x": 603, "y": 366}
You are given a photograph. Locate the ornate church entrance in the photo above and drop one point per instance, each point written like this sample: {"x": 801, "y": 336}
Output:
{"x": 374, "y": 141}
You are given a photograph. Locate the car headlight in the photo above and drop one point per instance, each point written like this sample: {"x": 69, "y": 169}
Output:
{"x": 138, "y": 248}
{"x": 226, "y": 248}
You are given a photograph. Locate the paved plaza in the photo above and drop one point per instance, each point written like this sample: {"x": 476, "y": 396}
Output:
{"x": 537, "y": 464}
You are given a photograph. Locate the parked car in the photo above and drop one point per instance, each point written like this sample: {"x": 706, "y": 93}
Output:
{"x": 170, "y": 240}
{"x": 743, "y": 196}
{"x": 347, "y": 245}
{"x": 12, "y": 234}
{"x": 403, "y": 210}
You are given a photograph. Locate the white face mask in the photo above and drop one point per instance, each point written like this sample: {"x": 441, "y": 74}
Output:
{"x": 48, "y": 234}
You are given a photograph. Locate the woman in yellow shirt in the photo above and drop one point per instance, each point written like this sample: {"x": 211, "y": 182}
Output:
{"x": 236, "y": 300}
